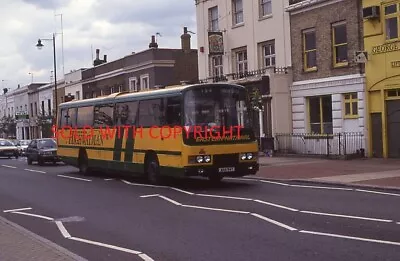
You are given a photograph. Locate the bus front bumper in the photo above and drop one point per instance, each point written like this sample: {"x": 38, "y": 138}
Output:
{"x": 240, "y": 170}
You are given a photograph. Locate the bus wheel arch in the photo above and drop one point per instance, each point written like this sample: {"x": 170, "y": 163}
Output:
{"x": 152, "y": 167}
{"x": 83, "y": 162}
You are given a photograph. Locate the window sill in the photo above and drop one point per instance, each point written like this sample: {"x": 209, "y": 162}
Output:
{"x": 340, "y": 65}
{"x": 309, "y": 70}
{"x": 351, "y": 117}
{"x": 237, "y": 25}
{"x": 392, "y": 40}
{"x": 268, "y": 16}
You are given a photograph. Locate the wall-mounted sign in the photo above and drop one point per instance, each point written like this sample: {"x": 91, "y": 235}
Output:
{"x": 216, "y": 43}
{"x": 395, "y": 64}
{"x": 386, "y": 48}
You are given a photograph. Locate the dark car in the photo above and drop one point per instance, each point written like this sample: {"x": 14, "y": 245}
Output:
{"x": 8, "y": 149}
{"x": 42, "y": 150}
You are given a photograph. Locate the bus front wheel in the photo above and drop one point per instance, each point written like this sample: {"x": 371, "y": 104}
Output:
{"x": 153, "y": 169}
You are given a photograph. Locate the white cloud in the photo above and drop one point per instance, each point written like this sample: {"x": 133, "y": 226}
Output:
{"x": 116, "y": 27}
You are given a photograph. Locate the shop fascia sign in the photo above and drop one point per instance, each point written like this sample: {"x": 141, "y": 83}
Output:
{"x": 386, "y": 48}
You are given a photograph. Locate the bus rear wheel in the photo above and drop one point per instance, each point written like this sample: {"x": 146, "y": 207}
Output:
{"x": 153, "y": 169}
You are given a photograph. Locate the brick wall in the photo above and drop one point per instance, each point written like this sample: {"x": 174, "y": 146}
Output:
{"x": 321, "y": 19}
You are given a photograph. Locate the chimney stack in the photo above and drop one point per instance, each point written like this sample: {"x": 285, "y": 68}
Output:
{"x": 105, "y": 58}
{"x": 153, "y": 43}
{"x": 97, "y": 54}
{"x": 185, "y": 40}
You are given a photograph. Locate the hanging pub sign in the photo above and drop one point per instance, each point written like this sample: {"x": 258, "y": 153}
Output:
{"x": 216, "y": 43}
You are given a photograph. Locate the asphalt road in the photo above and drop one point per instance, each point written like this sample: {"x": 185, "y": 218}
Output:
{"x": 119, "y": 218}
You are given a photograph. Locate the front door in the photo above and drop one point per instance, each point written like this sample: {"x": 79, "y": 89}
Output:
{"x": 393, "y": 127}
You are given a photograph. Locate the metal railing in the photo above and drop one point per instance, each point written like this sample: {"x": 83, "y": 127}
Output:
{"x": 345, "y": 144}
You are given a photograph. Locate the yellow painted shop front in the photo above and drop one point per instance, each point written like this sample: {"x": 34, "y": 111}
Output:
{"x": 382, "y": 43}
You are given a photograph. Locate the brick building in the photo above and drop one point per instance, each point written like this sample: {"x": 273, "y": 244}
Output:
{"x": 143, "y": 70}
{"x": 328, "y": 85}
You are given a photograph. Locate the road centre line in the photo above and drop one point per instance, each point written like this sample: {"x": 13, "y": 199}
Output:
{"x": 264, "y": 203}
{"x": 378, "y": 192}
{"x": 350, "y": 237}
{"x": 33, "y": 215}
{"x": 69, "y": 177}
{"x": 346, "y": 216}
{"x": 33, "y": 170}
{"x": 17, "y": 209}
{"x": 7, "y": 166}
{"x": 62, "y": 229}
{"x": 224, "y": 210}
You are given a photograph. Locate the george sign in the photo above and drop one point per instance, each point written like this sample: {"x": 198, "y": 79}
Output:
{"x": 216, "y": 43}
{"x": 386, "y": 48}
{"x": 361, "y": 57}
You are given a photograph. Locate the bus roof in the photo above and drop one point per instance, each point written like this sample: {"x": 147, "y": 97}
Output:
{"x": 164, "y": 92}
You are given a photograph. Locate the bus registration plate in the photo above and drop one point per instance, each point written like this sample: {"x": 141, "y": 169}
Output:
{"x": 230, "y": 169}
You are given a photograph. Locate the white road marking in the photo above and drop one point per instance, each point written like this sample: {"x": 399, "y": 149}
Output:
{"x": 108, "y": 179}
{"x": 319, "y": 187}
{"x": 170, "y": 200}
{"x": 33, "y": 170}
{"x": 69, "y": 177}
{"x": 216, "y": 209}
{"x": 346, "y": 216}
{"x": 17, "y": 209}
{"x": 398, "y": 223}
{"x": 273, "y": 182}
{"x": 218, "y": 196}
{"x": 62, "y": 229}
{"x": 274, "y": 205}
{"x": 149, "y": 196}
{"x": 33, "y": 215}
{"x": 349, "y": 237}
{"x": 143, "y": 185}
{"x": 7, "y": 166}
{"x": 146, "y": 257}
{"x": 106, "y": 245}
{"x": 377, "y": 192}
{"x": 183, "y": 191}
{"x": 274, "y": 222}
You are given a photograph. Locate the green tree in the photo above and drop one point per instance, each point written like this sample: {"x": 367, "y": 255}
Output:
{"x": 8, "y": 126}
{"x": 45, "y": 121}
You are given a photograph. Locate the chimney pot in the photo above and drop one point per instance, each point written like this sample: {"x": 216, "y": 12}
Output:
{"x": 153, "y": 43}
{"x": 105, "y": 58}
{"x": 97, "y": 53}
{"x": 185, "y": 40}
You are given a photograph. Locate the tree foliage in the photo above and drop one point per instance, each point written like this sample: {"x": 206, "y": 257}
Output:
{"x": 8, "y": 126}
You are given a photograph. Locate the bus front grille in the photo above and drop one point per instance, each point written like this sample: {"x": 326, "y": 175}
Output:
{"x": 226, "y": 159}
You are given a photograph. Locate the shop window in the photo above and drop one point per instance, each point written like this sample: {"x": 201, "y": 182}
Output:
{"x": 350, "y": 105}
{"x": 320, "y": 114}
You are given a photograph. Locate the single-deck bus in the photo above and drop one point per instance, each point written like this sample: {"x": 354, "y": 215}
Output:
{"x": 181, "y": 131}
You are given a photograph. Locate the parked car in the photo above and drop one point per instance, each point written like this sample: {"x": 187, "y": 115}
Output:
{"x": 8, "y": 149}
{"x": 23, "y": 145}
{"x": 42, "y": 150}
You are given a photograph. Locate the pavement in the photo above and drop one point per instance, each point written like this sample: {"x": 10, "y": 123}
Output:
{"x": 114, "y": 217}
{"x": 366, "y": 172}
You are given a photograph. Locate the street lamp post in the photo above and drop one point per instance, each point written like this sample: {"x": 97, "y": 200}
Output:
{"x": 31, "y": 74}
{"x": 39, "y": 45}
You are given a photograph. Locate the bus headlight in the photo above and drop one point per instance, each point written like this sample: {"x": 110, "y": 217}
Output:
{"x": 199, "y": 159}
{"x": 207, "y": 158}
{"x": 247, "y": 156}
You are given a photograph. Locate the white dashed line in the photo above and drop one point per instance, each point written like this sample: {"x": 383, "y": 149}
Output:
{"x": 62, "y": 229}
{"x": 108, "y": 179}
{"x": 69, "y": 177}
{"x": 303, "y": 186}
{"x": 346, "y": 216}
{"x": 17, "y": 209}
{"x": 143, "y": 185}
{"x": 377, "y": 192}
{"x": 33, "y": 215}
{"x": 217, "y": 196}
{"x": 274, "y": 205}
{"x": 7, "y": 166}
{"x": 33, "y": 170}
{"x": 146, "y": 257}
{"x": 274, "y": 222}
{"x": 349, "y": 237}
{"x": 216, "y": 209}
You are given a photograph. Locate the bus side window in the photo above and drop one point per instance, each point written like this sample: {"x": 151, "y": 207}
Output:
{"x": 72, "y": 117}
{"x": 125, "y": 113}
{"x": 63, "y": 118}
{"x": 85, "y": 117}
{"x": 151, "y": 113}
{"x": 173, "y": 111}
{"x": 103, "y": 115}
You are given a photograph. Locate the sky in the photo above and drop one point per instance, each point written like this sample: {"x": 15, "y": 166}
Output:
{"x": 116, "y": 27}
